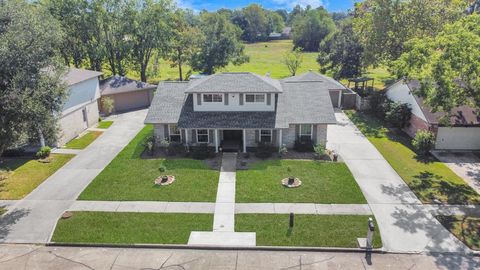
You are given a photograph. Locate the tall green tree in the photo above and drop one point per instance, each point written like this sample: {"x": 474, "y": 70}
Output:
{"x": 257, "y": 23}
{"x": 341, "y": 53}
{"x": 31, "y": 90}
{"x": 276, "y": 23}
{"x": 310, "y": 29}
{"x": 219, "y": 46}
{"x": 384, "y": 26}
{"x": 448, "y": 65}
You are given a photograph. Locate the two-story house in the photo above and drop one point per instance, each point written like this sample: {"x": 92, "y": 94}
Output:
{"x": 236, "y": 111}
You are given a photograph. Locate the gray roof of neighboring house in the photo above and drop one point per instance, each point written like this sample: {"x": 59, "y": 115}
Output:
{"x": 299, "y": 103}
{"x": 460, "y": 116}
{"x": 234, "y": 82}
{"x": 119, "y": 84}
{"x": 75, "y": 75}
{"x": 326, "y": 82}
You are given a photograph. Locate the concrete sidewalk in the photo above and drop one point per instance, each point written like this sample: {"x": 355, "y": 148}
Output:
{"x": 405, "y": 225}
{"x": 49, "y": 258}
{"x": 33, "y": 219}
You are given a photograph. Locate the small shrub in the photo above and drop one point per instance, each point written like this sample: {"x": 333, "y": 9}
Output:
{"x": 201, "y": 151}
{"x": 423, "y": 142}
{"x": 304, "y": 145}
{"x": 319, "y": 149}
{"x": 107, "y": 105}
{"x": 398, "y": 114}
{"x": 376, "y": 102}
{"x": 283, "y": 150}
{"x": 149, "y": 144}
{"x": 162, "y": 168}
{"x": 44, "y": 152}
{"x": 175, "y": 148}
{"x": 264, "y": 150}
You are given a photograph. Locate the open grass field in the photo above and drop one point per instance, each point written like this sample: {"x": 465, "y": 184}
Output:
{"x": 322, "y": 182}
{"x": 83, "y": 141}
{"x": 129, "y": 177}
{"x": 308, "y": 230}
{"x": 23, "y": 175}
{"x": 429, "y": 179}
{"x": 465, "y": 228}
{"x": 104, "y": 124}
{"x": 130, "y": 228}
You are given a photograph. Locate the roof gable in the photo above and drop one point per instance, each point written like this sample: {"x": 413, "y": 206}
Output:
{"x": 235, "y": 82}
{"x": 120, "y": 84}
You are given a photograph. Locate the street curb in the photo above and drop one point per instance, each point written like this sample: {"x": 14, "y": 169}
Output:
{"x": 205, "y": 247}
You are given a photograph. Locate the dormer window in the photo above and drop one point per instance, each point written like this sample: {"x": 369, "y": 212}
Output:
{"x": 213, "y": 98}
{"x": 255, "y": 98}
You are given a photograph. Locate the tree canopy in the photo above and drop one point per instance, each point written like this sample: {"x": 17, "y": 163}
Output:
{"x": 311, "y": 28}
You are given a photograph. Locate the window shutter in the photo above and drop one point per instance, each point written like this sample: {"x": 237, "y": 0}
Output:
{"x": 199, "y": 99}
{"x": 297, "y": 131}
{"x": 241, "y": 99}
{"x": 184, "y": 135}
{"x": 194, "y": 135}
{"x": 257, "y": 135}
{"x": 269, "y": 99}
{"x": 165, "y": 131}
{"x": 274, "y": 137}
{"x": 314, "y": 134}
{"x": 226, "y": 99}
{"x": 211, "y": 138}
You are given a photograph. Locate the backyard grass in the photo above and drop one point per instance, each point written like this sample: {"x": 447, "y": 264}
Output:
{"x": 84, "y": 141}
{"x": 429, "y": 179}
{"x": 131, "y": 178}
{"x": 104, "y": 124}
{"x": 308, "y": 230}
{"x": 130, "y": 228}
{"x": 322, "y": 182}
{"x": 465, "y": 228}
{"x": 24, "y": 175}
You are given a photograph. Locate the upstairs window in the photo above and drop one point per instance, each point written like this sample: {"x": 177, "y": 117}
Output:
{"x": 255, "y": 98}
{"x": 202, "y": 135}
{"x": 174, "y": 133}
{"x": 305, "y": 132}
{"x": 212, "y": 98}
{"x": 266, "y": 135}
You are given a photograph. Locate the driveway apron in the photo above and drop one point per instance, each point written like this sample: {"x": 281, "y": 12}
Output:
{"x": 405, "y": 225}
{"x": 33, "y": 219}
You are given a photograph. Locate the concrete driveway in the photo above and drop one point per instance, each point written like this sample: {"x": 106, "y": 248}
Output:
{"x": 33, "y": 219}
{"x": 405, "y": 225}
{"x": 464, "y": 164}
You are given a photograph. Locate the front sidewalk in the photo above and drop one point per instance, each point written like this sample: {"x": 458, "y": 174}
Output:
{"x": 33, "y": 219}
{"x": 405, "y": 224}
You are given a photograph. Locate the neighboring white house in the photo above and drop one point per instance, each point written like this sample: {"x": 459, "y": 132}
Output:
{"x": 240, "y": 110}
{"x": 461, "y": 133}
{"x": 80, "y": 111}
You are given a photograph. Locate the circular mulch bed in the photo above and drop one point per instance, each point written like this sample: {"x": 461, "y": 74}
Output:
{"x": 296, "y": 183}
{"x": 161, "y": 182}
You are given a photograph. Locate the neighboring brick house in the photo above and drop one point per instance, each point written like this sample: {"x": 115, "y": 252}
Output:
{"x": 462, "y": 130}
{"x": 80, "y": 110}
{"x": 239, "y": 110}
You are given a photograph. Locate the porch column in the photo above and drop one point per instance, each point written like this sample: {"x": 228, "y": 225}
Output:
{"x": 216, "y": 140}
{"x": 340, "y": 99}
{"x": 244, "y": 141}
{"x": 187, "y": 137}
{"x": 279, "y": 139}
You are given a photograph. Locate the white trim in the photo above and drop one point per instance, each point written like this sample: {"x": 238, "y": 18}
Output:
{"x": 280, "y": 143}
{"x": 244, "y": 135}
{"x": 255, "y": 98}
{"x": 216, "y": 140}
{"x": 213, "y": 94}
{"x": 260, "y": 135}
{"x": 300, "y": 134}
{"x": 208, "y": 135}
{"x": 179, "y": 131}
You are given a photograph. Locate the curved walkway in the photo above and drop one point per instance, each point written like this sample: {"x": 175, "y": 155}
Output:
{"x": 405, "y": 224}
{"x": 33, "y": 219}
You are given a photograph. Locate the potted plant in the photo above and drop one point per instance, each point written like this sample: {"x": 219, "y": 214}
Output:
{"x": 319, "y": 150}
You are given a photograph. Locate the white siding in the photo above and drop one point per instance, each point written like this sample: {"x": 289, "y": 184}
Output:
{"x": 72, "y": 124}
{"x": 399, "y": 92}
{"x": 81, "y": 93}
{"x": 458, "y": 138}
{"x": 233, "y": 104}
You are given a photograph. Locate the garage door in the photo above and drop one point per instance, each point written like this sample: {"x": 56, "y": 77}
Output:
{"x": 132, "y": 101}
{"x": 458, "y": 138}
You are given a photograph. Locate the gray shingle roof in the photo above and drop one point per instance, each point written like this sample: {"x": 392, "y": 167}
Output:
{"x": 75, "y": 75}
{"x": 167, "y": 103}
{"x": 327, "y": 82}
{"x": 119, "y": 84}
{"x": 235, "y": 82}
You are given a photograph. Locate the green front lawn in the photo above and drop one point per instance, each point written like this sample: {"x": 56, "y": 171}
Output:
{"x": 130, "y": 228}
{"x": 23, "y": 175}
{"x": 130, "y": 178}
{"x": 322, "y": 182}
{"x": 104, "y": 124}
{"x": 429, "y": 179}
{"x": 308, "y": 230}
{"x": 84, "y": 141}
{"x": 465, "y": 228}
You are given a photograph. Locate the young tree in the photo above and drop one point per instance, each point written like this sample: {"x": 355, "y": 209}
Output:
{"x": 447, "y": 65}
{"x": 341, "y": 53}
{"x": 219, "y": 45}
{"x": 31, "y": 90}
{"x": 309, "y": 30}
{"x": 293, "y": 60}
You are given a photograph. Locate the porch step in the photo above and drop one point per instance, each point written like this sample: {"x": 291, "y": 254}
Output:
{"x": 230, "y": 239}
